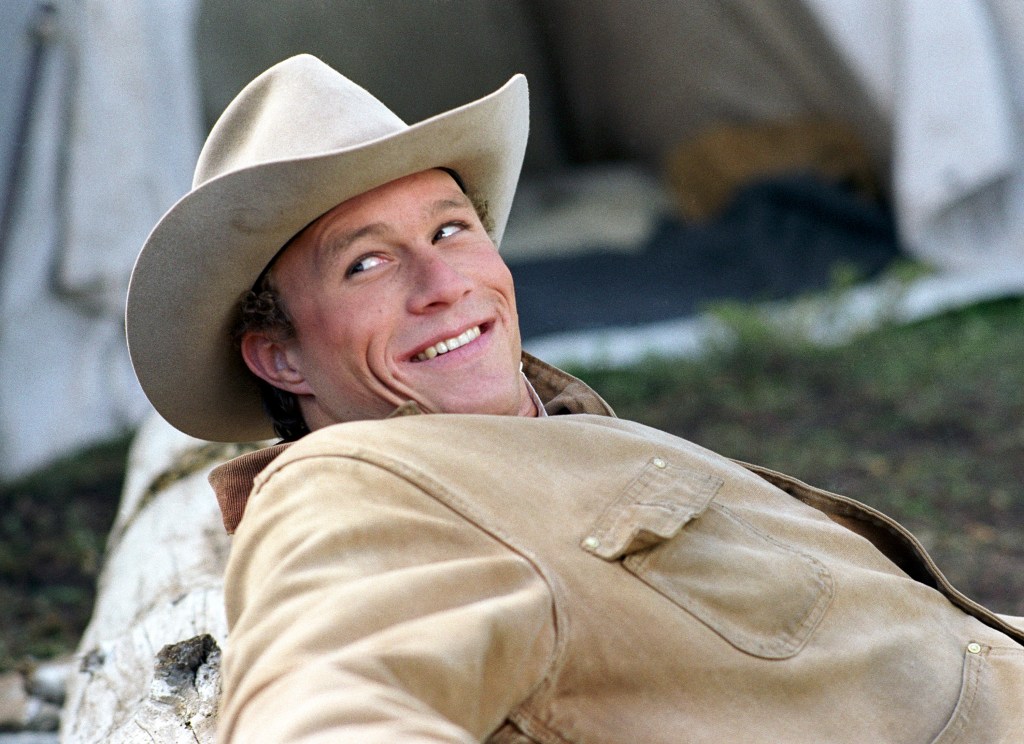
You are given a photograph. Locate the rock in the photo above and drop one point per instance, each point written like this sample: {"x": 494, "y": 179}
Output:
{"x": 14, "y": 701}
{"x": 20, "y": 711}
{"x": 41, "y": 715}
{"x": 30, "y": 737}
{"x": 48, "y": 680}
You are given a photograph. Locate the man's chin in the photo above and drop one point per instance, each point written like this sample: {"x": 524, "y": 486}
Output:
{"x": 475, "y": 388}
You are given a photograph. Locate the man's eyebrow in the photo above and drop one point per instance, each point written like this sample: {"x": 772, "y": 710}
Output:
{"x": 334, "y": 245}
{"x": 453, "y": 202}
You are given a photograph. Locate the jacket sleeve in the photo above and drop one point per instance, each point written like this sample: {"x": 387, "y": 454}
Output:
{"x": 362, "y": 609}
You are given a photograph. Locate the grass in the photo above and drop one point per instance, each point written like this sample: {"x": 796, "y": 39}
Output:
{"x": 925, "y": 422}
{"x": 53, "y": 528}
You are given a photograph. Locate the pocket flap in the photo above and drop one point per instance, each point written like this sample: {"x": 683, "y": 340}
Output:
{"x": 653, "y": 507}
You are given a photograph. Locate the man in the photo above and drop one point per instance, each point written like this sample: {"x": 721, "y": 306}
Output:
{"x": 519, "y": 565}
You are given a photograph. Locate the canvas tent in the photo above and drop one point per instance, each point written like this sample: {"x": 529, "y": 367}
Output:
{"x": 101, "y": 129}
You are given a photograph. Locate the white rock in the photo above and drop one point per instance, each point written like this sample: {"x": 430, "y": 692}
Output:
{"x": 49, "y": 679}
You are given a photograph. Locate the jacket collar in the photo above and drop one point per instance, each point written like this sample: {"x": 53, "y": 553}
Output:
{"x": 560, "y": 392}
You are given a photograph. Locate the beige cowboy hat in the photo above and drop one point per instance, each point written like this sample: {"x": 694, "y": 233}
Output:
{"x": 298, "y": 140}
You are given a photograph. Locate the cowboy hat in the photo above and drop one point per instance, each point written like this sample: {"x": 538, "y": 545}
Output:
{"x": 298, "y": 140}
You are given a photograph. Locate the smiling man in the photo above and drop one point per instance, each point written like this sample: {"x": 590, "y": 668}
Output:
{"x": 406, "y": 280}
{"x": 456, "y": 542}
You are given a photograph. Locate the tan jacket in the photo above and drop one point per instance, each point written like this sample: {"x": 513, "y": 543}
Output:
{"x": 581, "y": 578}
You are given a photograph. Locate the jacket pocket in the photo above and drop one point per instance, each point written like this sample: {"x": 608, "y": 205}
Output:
{"x": 989, "y": 705}
{"x": 760, "y": 595}
{"x": 956, "y": 727}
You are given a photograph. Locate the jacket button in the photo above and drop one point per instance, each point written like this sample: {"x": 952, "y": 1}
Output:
{"x": 974, "y": 648}
{"x": 659, "y": 463}
{"x": 591, "y": 543}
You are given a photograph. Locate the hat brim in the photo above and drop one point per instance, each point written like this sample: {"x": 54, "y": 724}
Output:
{"x": 211, "y": 246}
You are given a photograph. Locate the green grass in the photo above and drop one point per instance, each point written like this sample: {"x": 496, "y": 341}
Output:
{"x": 53, "y": 528}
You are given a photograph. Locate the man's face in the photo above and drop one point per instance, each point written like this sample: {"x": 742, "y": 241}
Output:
{"x": 398, "y": 294}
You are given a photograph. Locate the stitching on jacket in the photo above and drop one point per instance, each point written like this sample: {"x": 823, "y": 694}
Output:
{"x": 961, "y": 715}
{"x": 656, "y": 504}
{"x": 791, "y": 639}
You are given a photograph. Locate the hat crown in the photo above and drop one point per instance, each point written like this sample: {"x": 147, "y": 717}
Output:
{"x": 298, "y": 108}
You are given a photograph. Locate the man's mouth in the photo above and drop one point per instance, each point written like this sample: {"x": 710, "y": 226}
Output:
{"x": 450, "y": 344}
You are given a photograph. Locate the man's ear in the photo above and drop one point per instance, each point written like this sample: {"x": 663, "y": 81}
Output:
{"x": 274, "y": 361}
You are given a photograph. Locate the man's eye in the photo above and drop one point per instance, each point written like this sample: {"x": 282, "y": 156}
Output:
{"x": 447, "y": 231}
{"x": 364, "y": 264}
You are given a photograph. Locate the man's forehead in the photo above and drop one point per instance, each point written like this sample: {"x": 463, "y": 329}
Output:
{"x": 366, "y": 215}
{"x": 430, "y": 191}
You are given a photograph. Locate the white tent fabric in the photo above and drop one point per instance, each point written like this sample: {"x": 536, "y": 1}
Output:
{"x": 950, "y": 77}
{"x": 112, "y": 139}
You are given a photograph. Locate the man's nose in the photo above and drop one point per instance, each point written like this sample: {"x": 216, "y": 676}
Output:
{"x": 438, "y": 283}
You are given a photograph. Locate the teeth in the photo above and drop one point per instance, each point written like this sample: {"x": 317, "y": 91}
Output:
{"x": 443, "y": 347}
